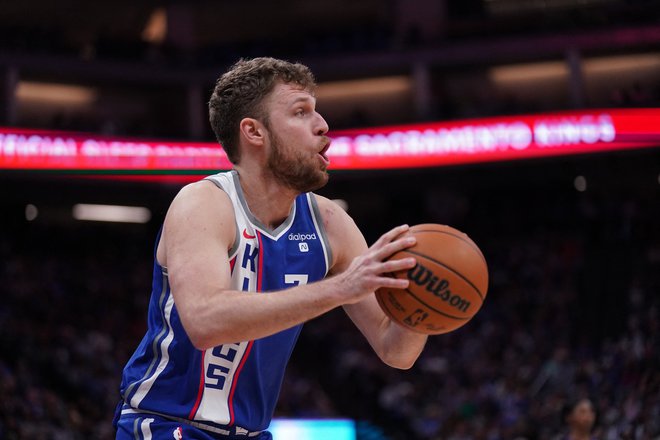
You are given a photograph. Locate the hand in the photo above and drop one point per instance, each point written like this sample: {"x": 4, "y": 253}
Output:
{"x": 370, "y": 271}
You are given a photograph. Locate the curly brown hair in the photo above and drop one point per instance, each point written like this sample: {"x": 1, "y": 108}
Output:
{"x": 240, "y": 92}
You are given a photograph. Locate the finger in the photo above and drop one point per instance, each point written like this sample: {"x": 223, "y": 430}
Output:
{"x": 397, "y": 265}
{"x": 391, "y": 235}
{"x": 393, "y": 247}
{"x": 394, "y": 283}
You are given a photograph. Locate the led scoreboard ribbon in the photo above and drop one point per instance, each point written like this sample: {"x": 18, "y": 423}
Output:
{"x": 51, "y": 150}
{"x": 405, "y": 146}
{"x": 496, "y": 139}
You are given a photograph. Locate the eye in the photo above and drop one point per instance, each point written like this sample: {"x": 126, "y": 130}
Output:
{"x": 300, "y": 112}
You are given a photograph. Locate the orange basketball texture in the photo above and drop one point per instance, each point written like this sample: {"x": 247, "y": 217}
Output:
{"x": 447, "y": 286}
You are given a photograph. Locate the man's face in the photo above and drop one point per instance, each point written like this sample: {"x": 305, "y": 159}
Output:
{"x": 298, "y": 141}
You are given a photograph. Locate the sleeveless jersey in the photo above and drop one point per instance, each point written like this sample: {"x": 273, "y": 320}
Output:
{"x": 231, "y": 388}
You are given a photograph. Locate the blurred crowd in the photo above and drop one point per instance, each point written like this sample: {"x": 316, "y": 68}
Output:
{"x": 572, "y": 312}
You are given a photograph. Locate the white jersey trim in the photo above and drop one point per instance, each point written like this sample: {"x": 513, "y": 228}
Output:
{"x": 145, "y": 429}
{"x": 147, "y": 383}
{"x": 199, "y": 425}
{"x": 230, "y": 183}
{"x": 154, "y": 345}
{"x": 318, "y": 224}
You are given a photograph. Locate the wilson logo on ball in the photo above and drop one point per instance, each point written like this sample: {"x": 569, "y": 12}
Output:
{"x": 423, "y": 276}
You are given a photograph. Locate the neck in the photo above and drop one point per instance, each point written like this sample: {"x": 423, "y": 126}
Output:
{"x": 268, "y": 199}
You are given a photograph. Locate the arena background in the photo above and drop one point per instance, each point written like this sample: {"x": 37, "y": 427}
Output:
{"x": 572, "y": 242}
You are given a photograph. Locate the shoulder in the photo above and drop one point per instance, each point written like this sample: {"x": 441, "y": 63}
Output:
{"x": 204, "y": 194}
{"x": 199, "y": 212}
{"x": 346, "y": 239}
{"x": 335, "y": 219}
{"x": 201, "y": 207}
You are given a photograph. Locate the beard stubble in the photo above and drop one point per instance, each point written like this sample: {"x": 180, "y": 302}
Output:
{"x": 294, "y": 169}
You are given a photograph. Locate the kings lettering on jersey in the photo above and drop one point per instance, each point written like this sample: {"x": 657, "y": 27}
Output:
{"x": 249, "y": 262}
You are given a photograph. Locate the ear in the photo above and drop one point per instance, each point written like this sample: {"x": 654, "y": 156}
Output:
{"x": 253, "y": 131}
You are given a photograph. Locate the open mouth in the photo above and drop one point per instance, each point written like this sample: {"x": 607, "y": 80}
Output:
{"x": 324, "y": 151}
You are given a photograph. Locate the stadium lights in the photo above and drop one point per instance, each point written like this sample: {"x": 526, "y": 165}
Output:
{"x": 155, "y": 31}
{"x": 544, "y": 71}
{"x": 51, "y": 93}
{"x": 111, "y": 213}
{"x": 31, "y": 212}
{"x": 513, "y": 74}
{"x": 580, "y": 183}
{"x": 623, "y": 63}
{"x": 363, "y": 88}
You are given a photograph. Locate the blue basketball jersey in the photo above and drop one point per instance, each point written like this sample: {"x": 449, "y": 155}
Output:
{"x": 232, "y": 388}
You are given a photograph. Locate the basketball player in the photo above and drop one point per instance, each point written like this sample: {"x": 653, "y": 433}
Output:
{"x": 244, "y": 258}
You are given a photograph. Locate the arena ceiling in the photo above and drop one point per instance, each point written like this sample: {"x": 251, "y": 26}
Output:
{"x": 218, "y": 21}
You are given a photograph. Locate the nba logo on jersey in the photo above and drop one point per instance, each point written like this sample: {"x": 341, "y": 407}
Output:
{"x": 303, "y": 247}
{"x": 178, "y": 434}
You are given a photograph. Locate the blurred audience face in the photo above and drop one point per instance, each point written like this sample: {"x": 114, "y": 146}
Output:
{"x": 582, "y": 417}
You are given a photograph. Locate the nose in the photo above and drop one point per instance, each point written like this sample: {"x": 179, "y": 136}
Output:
{"x": 321, "y": 125}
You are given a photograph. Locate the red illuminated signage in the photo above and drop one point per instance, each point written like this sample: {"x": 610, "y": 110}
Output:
{"x": 48, "y": 150}
{"x": 418, "y": 145}
{"x": 496, "y": 139}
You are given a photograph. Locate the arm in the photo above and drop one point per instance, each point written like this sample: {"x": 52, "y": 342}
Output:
{"x": 394, "y": 344}
{"x": 198, "y": 231}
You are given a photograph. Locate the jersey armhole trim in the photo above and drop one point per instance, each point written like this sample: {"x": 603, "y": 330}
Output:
{"x": 237, "y": 238}
{"x": 318, "y": 221}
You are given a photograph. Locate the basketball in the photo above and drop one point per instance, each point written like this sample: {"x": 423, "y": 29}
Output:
{"x": 447, "y": 286}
